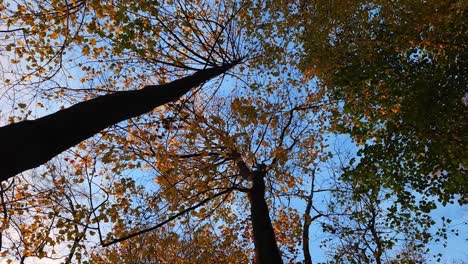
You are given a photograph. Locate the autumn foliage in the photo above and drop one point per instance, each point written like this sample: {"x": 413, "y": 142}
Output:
{"x": 180, "y": 131}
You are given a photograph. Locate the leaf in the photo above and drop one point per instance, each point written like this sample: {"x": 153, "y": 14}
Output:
{"x": 85, "y": 50}
{"x": 21, "y": 8}
{"x": 92, "y": 42}
{"x": 54, "y": 35}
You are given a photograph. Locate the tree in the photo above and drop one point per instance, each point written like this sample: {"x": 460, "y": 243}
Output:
{"x": 206, "y": 148}
{"x": 361, "y": 225}
{"x": 399, "y": 70}
{"x": 32, "y": 143}
{"x": 373, "y": 228}
{"x": 256, "y": 196}
{"x": 133, "y": 31}
{"x": 93, "y": 53}
{"x": 28, "y": 144}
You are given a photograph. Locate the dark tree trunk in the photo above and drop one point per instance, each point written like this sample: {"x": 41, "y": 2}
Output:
{"x": 266, "y": 250}
{"x": 308, "y": 221}
{"x": 28, "y": 144}
{"x": 305, "y": 233}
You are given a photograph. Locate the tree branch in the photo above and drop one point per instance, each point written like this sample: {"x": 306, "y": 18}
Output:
{"x": 117, "y": 240}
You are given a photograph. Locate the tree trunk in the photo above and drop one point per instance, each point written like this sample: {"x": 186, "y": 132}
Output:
{"x": 308, "y": 221}
{"x": 305, "y": 232}
{"x": 28, "y": 144}
{"x": 266, "y": 250}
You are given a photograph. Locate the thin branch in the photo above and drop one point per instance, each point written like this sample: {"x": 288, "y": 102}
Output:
{"x": 117, "y": 240}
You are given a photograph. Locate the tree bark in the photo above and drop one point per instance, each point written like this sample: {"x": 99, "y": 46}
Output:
{"x": 28, "y": 144}
{"x": 266, "y": 250}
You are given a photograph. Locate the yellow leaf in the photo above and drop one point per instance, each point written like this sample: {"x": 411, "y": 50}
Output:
{"x": 21, "y": 8}
{"x": 86, "y": 50}
{"x": 54, "y": 35}
{"x": 92, "y": 42}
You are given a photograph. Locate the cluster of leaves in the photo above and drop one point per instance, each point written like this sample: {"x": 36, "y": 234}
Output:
{"x": 81, "y": 49}
{"x": 166, "y": 246}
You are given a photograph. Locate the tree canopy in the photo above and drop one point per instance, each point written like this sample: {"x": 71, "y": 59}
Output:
{"x": 209, "y": 131}
{"x": 399, "y": 68}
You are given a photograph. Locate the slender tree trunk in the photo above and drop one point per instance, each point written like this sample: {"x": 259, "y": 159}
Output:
{"x": 28, "y": 144}
{"x": 308, "y": 221}
{"x": 305, "y": 232}
{"x": 379, "y": 250}
{"x": 266, "y": 250}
